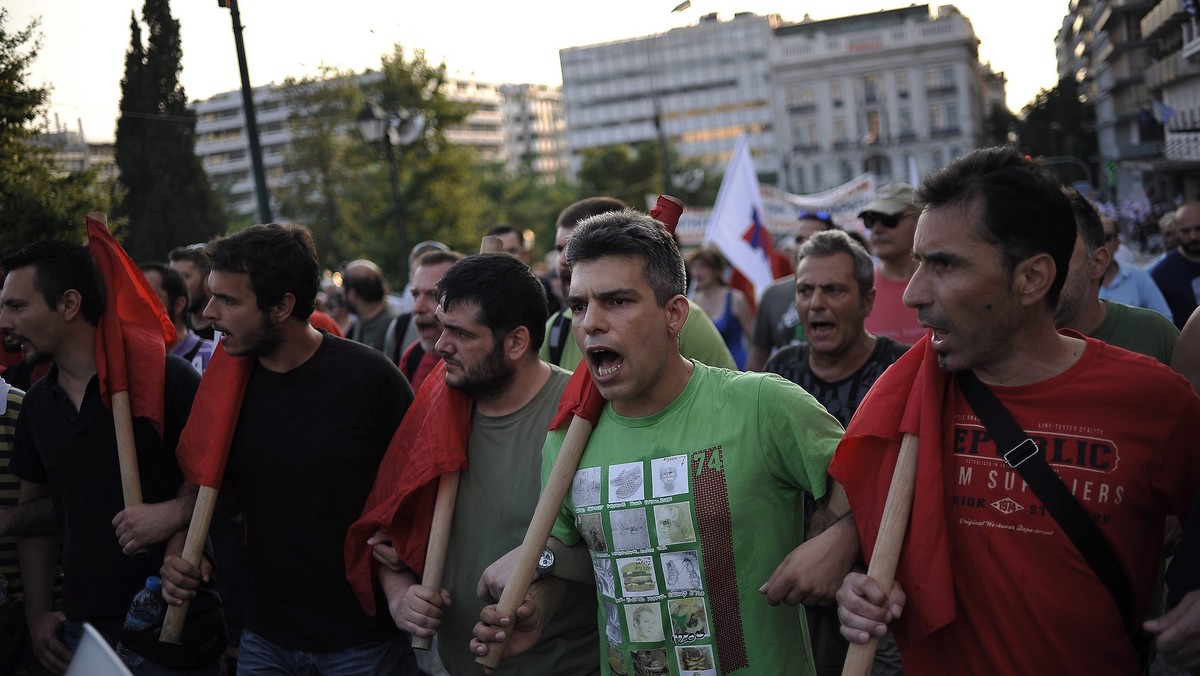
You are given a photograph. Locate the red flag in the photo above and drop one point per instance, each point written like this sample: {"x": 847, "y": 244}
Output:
{"x": 431, "y": 441}
{"x": 134, "y": 329}
{"x": 581, "y": 397}
{"x": 204, "y": 444}
{"x": 913, "y": 396}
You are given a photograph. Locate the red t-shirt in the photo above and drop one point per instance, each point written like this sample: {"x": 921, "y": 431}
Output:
{"x": 1121, "y": 431}
{"x": 891, "y": 317}
{"x": 424, "y": 366}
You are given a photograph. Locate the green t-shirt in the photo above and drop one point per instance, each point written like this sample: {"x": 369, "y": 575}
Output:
{"x": 698, "y": 340}
{"x": 687, "y": 512}
{"x": 497, "y": 493}
{"x": 1138, "y": 330}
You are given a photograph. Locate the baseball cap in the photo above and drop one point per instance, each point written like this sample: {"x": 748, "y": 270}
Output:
{"x": 891, "y": 199}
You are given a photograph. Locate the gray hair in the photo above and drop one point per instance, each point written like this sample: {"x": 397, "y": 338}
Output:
{"x": 830, "y": 242}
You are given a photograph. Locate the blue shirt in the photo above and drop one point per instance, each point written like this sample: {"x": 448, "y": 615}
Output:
{"x": 1134, "y": 286}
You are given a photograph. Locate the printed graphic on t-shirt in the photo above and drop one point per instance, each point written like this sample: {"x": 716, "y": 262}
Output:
{"x": 988, "y": 493}
{"x": 638, "y": 520}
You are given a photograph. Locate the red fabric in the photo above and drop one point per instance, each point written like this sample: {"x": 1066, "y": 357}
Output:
{"x": 324, "y": 322}
{"x": 909, "y": 397}
{"x": 431, "y": 441}
{"x": 581, "y": 397}
{"x": 425, "y": 365}
{"x": 134, "y": 329}
{"x": 204, "y": 444}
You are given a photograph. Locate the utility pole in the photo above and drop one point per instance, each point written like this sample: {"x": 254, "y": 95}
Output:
{"x": 260, "y": 178}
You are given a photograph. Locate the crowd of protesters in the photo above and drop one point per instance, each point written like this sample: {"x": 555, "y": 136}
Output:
{"x": 723, "y": 513}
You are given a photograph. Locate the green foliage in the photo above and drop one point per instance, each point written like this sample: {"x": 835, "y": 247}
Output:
{"x": 999, "y": 126}
{"x": 342, "y": 188}
{"x": 526, "y": 200}
{"x": 36, "y": 200}
{"x": 631, "y": 172}
{"x": 166, "y": 194}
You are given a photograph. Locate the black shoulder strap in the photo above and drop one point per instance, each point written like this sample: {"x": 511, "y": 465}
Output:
{"x": 399, "y": 327}
{"x": 414, "y": 360}
{"x": 560, "y": 331}
{"x": 1024, "y": 456}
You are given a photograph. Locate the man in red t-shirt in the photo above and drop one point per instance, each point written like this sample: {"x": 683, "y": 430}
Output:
{"x": 890, "y": 220}
{"x": 993, "y": 583}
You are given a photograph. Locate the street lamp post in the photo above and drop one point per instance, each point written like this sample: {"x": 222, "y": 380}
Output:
{"x": 256, "y": 161}
{"x": 402, "y": 128}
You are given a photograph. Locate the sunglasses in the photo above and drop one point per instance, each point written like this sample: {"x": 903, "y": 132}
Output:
{"x": 815, "y": 215}
{"x": 890, "y": 222}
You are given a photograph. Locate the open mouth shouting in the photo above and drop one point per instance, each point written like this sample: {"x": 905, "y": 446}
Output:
{"x": 605, "y": 363}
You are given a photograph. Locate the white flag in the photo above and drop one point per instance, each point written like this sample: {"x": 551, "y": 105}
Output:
{"x": 738, "y": 224}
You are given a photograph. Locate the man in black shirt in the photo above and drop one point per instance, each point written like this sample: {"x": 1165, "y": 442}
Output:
{"x": 837, "y": 366}
{"x": 317, "y": 415}
{"x": 66, "y": 448}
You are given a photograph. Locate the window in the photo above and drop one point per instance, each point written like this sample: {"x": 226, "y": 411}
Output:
{"x": 936, "y": 120}
{"x": 870, "y": 85}
{"x": 835, "y": 92}
{"x": 839, "y": 129}
{"x": 818, "y": 181}
{"x": 905, "y": 121}
{"x": 902, "y": 83}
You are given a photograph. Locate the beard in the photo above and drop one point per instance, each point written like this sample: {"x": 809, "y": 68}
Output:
{"x": 1191, "y": 248}
{"x": 197, "y": 304}
{"x": 264, "y": 342}
{"x": 487, "y": 380}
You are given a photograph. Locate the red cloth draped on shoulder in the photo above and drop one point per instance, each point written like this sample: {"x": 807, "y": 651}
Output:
{"x": 133, "y": 331}
{"x": 204, "y": 444}
{"x": 431, "y": 441}
{"x": 913, "y": 396}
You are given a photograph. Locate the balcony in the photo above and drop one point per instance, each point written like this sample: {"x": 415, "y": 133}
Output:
{"x": 1166, "y": 15}
{"x": 1170, "y": 69}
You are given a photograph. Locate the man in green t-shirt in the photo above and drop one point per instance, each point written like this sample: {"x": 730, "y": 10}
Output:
{"x": 491, "y": 308}
{"x": 686, "y": 508}
{"x": 1081, "y": 308}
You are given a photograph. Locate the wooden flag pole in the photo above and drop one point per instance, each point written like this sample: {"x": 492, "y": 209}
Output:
{"x": 443, "y": 509}
{"x": 131, "y": 484}
{"x": 888, "y": 543}
{"x": 553, "y": 494}
{"x": 439, "y": 541}
{"x": 193, "y": 549}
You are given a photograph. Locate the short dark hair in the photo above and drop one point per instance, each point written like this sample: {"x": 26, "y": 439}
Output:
{"x": 436, "y": 257}
{"x": 586, "y": 208}
{"x": 832, "y": 242}
{"x": 1087, "y": 220}
{"x": 279, "y": 258}
{"x": 1022, "y": 210}
{"x": 196, "y": 253}
{"x": 60, "y": 266}
{"x": 507, "y": 292}
{"x": 172, "y": 283}
{"x": 630, "y": 233}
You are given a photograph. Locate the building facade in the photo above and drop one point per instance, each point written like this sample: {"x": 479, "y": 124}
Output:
{"x": 694, "y": 89}
{"x": 223, "y": 147}
{"x": 1173, "y": 80}
{"x": 896, "y": 94}
{"x": 892, "y": 93}
{"x": 535, "y": 130}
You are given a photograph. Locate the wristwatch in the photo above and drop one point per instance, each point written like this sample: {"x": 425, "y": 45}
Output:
{"x": 545, "y": 565}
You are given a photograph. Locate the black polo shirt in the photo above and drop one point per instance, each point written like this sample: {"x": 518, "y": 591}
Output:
{"x": 75, "y": 452}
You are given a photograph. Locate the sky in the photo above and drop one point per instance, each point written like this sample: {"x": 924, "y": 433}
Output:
{"x": 84, "y": 42}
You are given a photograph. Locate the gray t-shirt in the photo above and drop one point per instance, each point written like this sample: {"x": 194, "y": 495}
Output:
{"x": 497, "y": 493}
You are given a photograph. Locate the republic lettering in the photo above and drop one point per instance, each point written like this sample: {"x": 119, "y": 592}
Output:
{"x": 1085, "y": 453}
{"x": 968, "y": 441}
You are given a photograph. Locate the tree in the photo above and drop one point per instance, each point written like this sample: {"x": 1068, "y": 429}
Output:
{"x": 343, "y": 186}
{"x": 166, "y": 195}
{"x": 525, "y": 200}
{"x": 36, "y": 200}
{"x": 999, "y": 126}
{"x": 1053, "y": 125}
